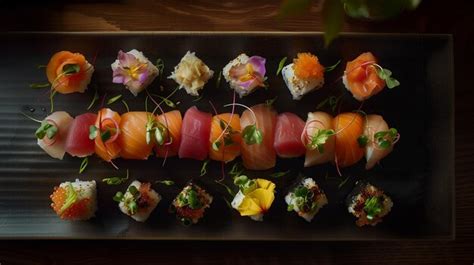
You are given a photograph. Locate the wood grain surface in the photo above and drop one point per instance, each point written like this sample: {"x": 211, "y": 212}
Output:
{"x": 453, "y": 17}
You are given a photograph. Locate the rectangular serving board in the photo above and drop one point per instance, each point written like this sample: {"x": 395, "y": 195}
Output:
{"x": 418, "y": 175}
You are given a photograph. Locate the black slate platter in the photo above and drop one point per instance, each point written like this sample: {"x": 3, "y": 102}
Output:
{"x": 418, "y": 175}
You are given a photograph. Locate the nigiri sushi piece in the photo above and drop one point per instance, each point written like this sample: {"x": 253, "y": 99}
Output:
{"x": 319, "y": 138}
{"x": 138, "y": 201}
{"x": 361, "y": 77}
{"x": 244, "y": 74}
{"x": 133, "y": 70}
{"x": 172, "y": 121}
{"x": 288, "y": 130}
{"x": 369, "y": 204}
{"x": 255, "y": 197}
{"x": 348, "y": 128}
{"x": 75, "y": 201}
{"x": 225, "y": 137}
{"x": 133, "y": 135}
{"x": 78, "y": 142}
{"x": 259, "y": 156}
{"x": 304, "y": 75}
{"x": 195, "y": 133}
{"x": 191, "y": 73}
{"x": 105, "y": 133}
{"x": 190, "y": 204}
{"x": 52, "y": 133}
{"x": 69, "y": 72}
{"x": 306, "y": 199}
{"x": 381, "y": 139}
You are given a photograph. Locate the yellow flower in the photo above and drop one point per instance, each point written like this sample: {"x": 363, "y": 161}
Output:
{"x": 258, "y": 200}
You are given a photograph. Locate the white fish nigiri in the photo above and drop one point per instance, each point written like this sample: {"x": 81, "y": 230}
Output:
{"x": 319, "y": 121}
{"x": 55, "y": 147}
{"x": 373, "y": 151}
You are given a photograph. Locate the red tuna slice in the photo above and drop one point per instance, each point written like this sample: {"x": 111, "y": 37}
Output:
{"x": 78, "y": 142}
{"x": 195, "y": 132}
{"x": 288, "y": 130}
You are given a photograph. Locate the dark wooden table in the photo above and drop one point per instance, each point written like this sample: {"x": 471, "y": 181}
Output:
{"x": 455, "y": 17}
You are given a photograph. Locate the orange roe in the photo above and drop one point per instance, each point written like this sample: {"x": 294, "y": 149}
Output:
{"x": 307, "y": 66}
{"x": 77, "y": 210}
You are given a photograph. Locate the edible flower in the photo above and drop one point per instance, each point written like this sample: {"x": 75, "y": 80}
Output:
{"x": 251, "y": 73}
{"x": 255, "y": 197}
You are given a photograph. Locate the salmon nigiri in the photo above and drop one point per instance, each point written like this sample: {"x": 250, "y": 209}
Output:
{"x": 133, "y": 135}
{"x": 69, "y": 72}
{"x": 348, "y": 128}
{"x": 320, "y": 131}
{"x": 380, "y": 138}
{"x": 78, "y": 142}
{"x": 225, "y": 138}
{"x": 53, "y": 132}
{"x": 107, "y": 129}
{"x": 171, "y": 120}
{"x": 195, "y": 133}
{"x": 259, "y": 156}
{"x": 288, "y": 131}
{"x": 361, "y": 77}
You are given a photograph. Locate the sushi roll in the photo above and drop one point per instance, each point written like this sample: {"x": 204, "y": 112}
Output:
{"x": 133, "y": 70}
{"x": 369, "y": 204}
{"x": 69, "y": 72}
{"x": 255, "y": 197}
{"x": 306, "y": 199}
{"x": 244, "y": 74}
{"x": 75, "y": 200}
{"x": 53, "y": 132}
{"x": 190, "y": 204}
{"x": 138, "y": 201}
{"x": 191, "y": 73}
{"x": 304, "y": 75}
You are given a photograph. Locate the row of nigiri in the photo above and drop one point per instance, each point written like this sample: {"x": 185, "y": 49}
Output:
{"x": 78, "y": 200}
{"x": 259, "y": 135}
{"x": 70, "y": 72}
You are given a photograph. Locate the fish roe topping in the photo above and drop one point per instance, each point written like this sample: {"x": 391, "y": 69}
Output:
{"x": 307, "y": 66}
{"x": 77, "y": 209}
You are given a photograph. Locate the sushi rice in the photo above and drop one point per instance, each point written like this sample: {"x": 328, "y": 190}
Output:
{"x": 296, "y": 202}
{"x": 299, "y": 86}
{"x": 144, "y": 208}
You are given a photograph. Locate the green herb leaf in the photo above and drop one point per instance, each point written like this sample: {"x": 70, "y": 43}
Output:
{"x": 116, "y": 180}
{"x": 290, "y": 207}
{"x": 38, "y": 85}
{"x": 193, "y": 200}
{"x": 204, "y": 167}
{"x": 46, "y": 129}
{"x": 372, "y": 207}
{"x": 318, "y": 140}
{"x": 113, "y": 99}
{"x": 269, "y": 102}
{"x": 133, "y": 190}
{"x": 118, "y": 197}
{"x": 343, "y": 183}
{"x": 218, "y": 81}
{"x": 332, "y": 67}
{"x": 386, "y": 75}
{"x": 281, "y": 65}
{"x": 362, "y": 140}
{"x": 166, "y": 182}
{"x": 252, "y": 135}
{"x": 70, "y": 69}
{"x": 94, "y": 100}
{"x": 279, "y": 174}
{"x": 84, "y": 164}
{"x": 236, "y": 170}
{"x": 333, "y": 20}
{"x": 216, "y": 145}
{"x": 71, "y": 198}
{"x": 132, "y": 207}
{"x": 385, "y": 139}
{"x": 160, "y": 64}
{"x": 51, "y": 100}
{"x": 106, "y": 135}
{"x": 168, "y": 102}
{"x": 93, "y": 131}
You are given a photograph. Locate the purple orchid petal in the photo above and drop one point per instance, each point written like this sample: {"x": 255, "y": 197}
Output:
{"x": 258, "y": 64}
{"x": 237, "y": 71}
{"x": 247, "y": 84}
{"x": 142, "y": 77}
{"x": 118, "y": 79}
{"x": 127, "y": 60}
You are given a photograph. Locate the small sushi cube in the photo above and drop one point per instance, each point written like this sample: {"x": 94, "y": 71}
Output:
{"x": 304, "y": 75}
{"x": 191, "y": 73}
{"x": 133, "y": 70}
{"x": 138, "y": 201}
{"x": 369, "y": 204}
{"x": 306, "y": 199}
{"x": 75, "y": 200}
{"x": 190, "y": 204}
{"x": 255, "y": 197}
{"x": 244, "y": 74}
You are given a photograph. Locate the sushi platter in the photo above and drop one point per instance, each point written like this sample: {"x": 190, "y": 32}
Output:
{"x": 226, "y": 136}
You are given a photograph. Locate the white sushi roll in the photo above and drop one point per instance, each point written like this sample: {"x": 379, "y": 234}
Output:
{"x": 75, "y": 200}
{"x": 191, "y": 73}
{"x": 298, "y": 86}
{"x": 244, "y": 74}
{"x": 138, "y": 201}
{"x": 306, "y": 199}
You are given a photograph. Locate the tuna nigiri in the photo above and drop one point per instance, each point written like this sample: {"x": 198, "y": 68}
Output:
{"x": 107, "y": 129}
{"x": 195, "y": 133}
{"x": 133, "y": 132}
{"x": 288, "y": 131}
{"x": 225, "y": 138}
{"x": 319, "y": 139}
{"x": 69, "y": 72}
{"x": 53, "y": 132}
{"x": 172, "y": 121}
{"x": 348, "y": 128}
{"x": 78, "y": 142}
{"x": 259, "y": 156}
{"x": 380, "y": 138}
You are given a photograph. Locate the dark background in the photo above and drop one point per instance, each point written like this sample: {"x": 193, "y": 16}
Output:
{"x": 455, "y": 17}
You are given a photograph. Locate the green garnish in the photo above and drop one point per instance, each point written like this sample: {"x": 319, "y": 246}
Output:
{"x": 198, "y": 98}
{"x": 155, "y": 131}
{"x": 39, "y": 85}
{"x": 362, "y": 140}
{"x": 165, "y": 182}
{"x": 132, "y": 207}
{"x": 269, "y": 102}
{"x": 51, "y": 100}
{"x": 93, "y": 131}
{"x": 168, "y": 102}
{"x": 244, "y": 183}
{"x": 372, "y": 207}
{"x": 71, "y": 198}
{"x": 386, "y": 75}
{"x": 252, "y": 135}
{"x": 236, "y": 170}
{"x": 318, "y": 140}
{"x": 204, "y": 167}
{"x": 279, "y": 174}
{"x": 332, "y": 67}
{"x": 126, "y": 105}
{"x": 118, "y": 197}
{"x": 40, "y": 66}
{"x": 229, "y": 190}
{"x": 116, "y": 180}
{"x": 94, "y": 100}
{"x": 130, "y": 201}
{"x": 160, "y": 64}
{"x": 228, "y": 203}
{"x": 226, "y": 135}
{"x": 69, "y": 69}
{"x": 303, "y": 199}
{"x": 218, "y": 81}
{"x": 281, "y": 65}
{"x": 343, "y": 183}
{"x": 332, "y": 101}
{"x": 84, "y": 164}
{"x": 216, "y": 145}
{"x": 113, "y": 99}
{"x": 384, "y": 139}
{"x": 46, "y": 129}
{"x": 189, "y": 198}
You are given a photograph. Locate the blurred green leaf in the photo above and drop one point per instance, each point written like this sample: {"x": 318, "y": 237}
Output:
{"x": 333, "y": 19}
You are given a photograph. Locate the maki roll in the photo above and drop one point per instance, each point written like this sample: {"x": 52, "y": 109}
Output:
{"x": 304, "y": 75}
{"x": 369, "y": 204}
{"x": 191, "y": 73}
{"x": 138, "y": 201}
{"x": 190, "y": 204}
{"x": 244, "y": 74}
{"x": 75, "y": 200}
{"x": 255, "y": 197}
{"x": 133, "y": 70}
{"x": 306, "y": 199}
